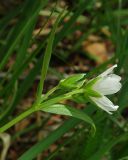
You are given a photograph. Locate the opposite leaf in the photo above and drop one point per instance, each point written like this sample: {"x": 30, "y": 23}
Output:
{"x": 69, "y": 111}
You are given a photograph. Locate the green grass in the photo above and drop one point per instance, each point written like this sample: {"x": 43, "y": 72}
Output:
{"x": 111, "y": 137}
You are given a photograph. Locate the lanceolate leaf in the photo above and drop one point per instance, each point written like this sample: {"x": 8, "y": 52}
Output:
{"x": 47, "y": 57}
{"x": 51, "y": 138}
{"x": 46, "y": 142}
{"x": 69, "y": 111}
{"x": 33, "y": 8}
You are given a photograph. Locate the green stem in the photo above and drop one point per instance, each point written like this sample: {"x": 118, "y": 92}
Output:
{"x": 48, "y": 93}
{"x": 17, "y": 119}
{"x": 59, "y": 98}
{"x": 33, "y": 108}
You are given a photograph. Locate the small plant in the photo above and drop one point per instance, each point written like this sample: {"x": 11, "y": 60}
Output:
{"x": 33, "y": 33}
{"x": 76, "y": 85}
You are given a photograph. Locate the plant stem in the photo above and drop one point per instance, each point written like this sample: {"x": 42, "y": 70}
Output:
{"x": 48, "y": 93}
{"x": 59, "y": 98}
{"x": 17, "y": 119}
{"x": 33, "y": 108}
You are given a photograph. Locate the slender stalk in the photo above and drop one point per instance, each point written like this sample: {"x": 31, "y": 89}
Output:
{"x": 47, "y": 57}
{"x": 17, "y": 119}
{"x": 34, "y": 108}
{"x": 59, "y": 98}
{"x": 48, "y": 93}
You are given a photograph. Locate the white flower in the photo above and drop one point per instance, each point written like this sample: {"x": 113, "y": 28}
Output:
{"x": 106, "y": 83}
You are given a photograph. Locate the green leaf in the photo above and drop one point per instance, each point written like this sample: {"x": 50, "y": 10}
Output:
{"x": 47, "y": 57}
{"x": 52, "y": 137}
{"x": 69, "y": 111}
{"x": 81, "y": 6}
{"x": 124, "y": 158}
{"x": 32, "y": 9}
{"x": 123, "y": 96}
{"x": 107, "y": 146}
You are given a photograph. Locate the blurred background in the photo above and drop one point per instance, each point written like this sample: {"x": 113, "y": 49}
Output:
{"x": 91, "y": 36}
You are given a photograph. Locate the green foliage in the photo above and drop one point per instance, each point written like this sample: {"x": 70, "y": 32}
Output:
{"x": 69, "y": 111}
{"x": 17, "y": 36}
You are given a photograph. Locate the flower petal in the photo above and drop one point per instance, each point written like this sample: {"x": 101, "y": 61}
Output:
{"x": 108, "y": 71}
{"x": 115, "y": 76}
{"x": 108, "y": 85}
{"x": 104, "y": 103}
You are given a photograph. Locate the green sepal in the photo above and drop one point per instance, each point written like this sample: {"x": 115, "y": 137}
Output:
{"x": 89, "y": 91}
{"x": 79, "y": 98}
{"x": 92, "y": 82}
{"x": 92, "y": 93}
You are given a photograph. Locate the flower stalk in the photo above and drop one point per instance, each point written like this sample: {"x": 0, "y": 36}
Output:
{"x": 37, "y": 107}
{"x": 95, "y": 89}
